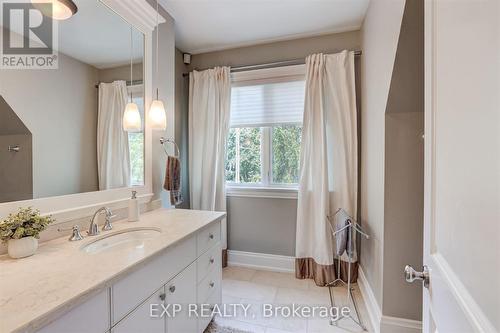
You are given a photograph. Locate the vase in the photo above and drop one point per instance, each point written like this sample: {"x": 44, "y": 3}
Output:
{"x": 22, "y": 247}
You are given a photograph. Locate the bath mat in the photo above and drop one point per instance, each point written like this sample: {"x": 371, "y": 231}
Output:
{"x": 216, "y": 328}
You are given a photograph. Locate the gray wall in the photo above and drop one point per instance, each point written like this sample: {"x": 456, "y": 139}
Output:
{"x": 16, "y": 169}
{"x": 404, "y": 168}
{"x": 121, "y": 73}
{"x": 59, "y": 107}
{"x": 380, "y": 33}
{"x": 392, "y": 152}
{"x": 262, "y": 225}
{"x": 266, "y": 225}
{"x": 286, "y": 50}
{"x": 403, "y": 230}
{"x": 164, "y": 79}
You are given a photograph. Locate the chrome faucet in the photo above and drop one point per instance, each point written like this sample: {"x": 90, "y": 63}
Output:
{"x": 94, "y": 228}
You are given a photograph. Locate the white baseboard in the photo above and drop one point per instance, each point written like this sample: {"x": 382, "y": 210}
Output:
{"x": 372, "y": 307}
{"x": 268, "y": 262}
{"x": 379, "y": 322}
{"x": 390, "y": 324}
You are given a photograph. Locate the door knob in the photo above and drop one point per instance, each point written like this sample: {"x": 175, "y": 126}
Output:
{"x": 411, "y": 275}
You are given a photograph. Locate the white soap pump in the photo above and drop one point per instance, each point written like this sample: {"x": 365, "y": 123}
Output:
{"x": 133, "y": 208}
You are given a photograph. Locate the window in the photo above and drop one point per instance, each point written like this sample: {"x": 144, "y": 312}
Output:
{"x": 263, "y": 145}
{"x": 136, "y": 141}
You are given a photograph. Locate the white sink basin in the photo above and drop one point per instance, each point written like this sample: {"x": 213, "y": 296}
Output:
{"x": 132, "y": 238}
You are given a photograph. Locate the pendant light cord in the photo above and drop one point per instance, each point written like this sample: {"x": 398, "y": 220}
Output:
{"x": 157, "y": 35}
{"x": 131, "y": 56}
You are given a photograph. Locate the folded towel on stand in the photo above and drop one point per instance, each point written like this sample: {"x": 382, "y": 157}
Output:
{"x": 341, "y": 220}
{"x": 173, "y": 180}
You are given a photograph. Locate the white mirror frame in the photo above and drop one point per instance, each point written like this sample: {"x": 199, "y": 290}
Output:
{"x": 69, "y": 207}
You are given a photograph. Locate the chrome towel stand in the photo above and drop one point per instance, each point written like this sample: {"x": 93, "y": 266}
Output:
{"x": 352, "y": 226}
{"x": 163, "y": 141}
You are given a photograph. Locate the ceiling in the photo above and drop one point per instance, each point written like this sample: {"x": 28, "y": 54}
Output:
{"x": 211, "y": 25}
{"x": 98, "y": 36}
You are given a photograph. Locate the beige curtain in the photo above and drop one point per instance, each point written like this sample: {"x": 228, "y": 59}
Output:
{"x": 209, "y": 111}
{"x": 113, "y": 157}
{"x": 328, "y": 163}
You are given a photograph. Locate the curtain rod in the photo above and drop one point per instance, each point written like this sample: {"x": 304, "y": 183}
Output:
{"x": 128, "y": 83}
{"x": 292, "y": 62}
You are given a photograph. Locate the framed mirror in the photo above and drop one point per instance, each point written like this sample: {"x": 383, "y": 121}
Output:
{"x": 62, "y": 142}
{"x": 61, "y": 129}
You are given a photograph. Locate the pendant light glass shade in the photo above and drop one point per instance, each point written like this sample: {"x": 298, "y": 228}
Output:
{"x": 157, "y": 115}
{"x": 132, "y": 118}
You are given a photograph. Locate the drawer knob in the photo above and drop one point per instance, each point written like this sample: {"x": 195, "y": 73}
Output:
{"x": 162, "y": 296}
{"x": 172, "y": 289}
{"x": 212, "y": 260}
{"x": 211, "y": 284}
{"x": 211, "y": 236}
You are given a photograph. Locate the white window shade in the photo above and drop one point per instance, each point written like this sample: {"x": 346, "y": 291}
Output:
{"x": 267, "y": 103}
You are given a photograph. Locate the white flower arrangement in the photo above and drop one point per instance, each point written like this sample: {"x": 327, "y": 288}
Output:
{"x": 25, "y": 223}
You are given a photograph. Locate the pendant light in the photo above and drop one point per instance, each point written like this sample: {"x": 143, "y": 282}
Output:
{"x": 157, "y": 114}
{"x": 61, "y": 9}
{"x": 131, "y": 116}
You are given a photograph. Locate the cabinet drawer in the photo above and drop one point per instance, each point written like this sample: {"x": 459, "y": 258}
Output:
{"x": 140, "y": 284}
{"x": 208, "y": 237}
{"x": 91, "y": 316}
{"x": 211, "y": 283}
{"x": 208, "y": 261}
{"x": 215, "y": 298}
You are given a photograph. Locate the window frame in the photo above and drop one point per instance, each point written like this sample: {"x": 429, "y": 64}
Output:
{"x": 137, "y": 92}
{"x": 266, "y": 188}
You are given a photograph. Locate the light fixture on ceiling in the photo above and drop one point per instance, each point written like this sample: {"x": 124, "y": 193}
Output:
{"x": 157, "y": 114}
{"x": 60, "y": 9}
{"x": 131, "y": 115}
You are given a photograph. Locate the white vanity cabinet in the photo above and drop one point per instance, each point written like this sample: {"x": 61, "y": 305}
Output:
{"x": 189, "y": 272}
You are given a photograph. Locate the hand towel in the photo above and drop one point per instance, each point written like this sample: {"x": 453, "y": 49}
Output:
{"x": 341, "y": 238}
{"x": 173, "y": 180}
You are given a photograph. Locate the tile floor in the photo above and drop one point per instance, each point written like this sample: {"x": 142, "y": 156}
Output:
{"x": 254, "y": 287}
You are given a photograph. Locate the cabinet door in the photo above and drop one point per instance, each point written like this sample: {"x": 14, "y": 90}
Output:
{"x": 141, "y": 321}
{"x": 182, "y": 291}
{"x": 91, "y": 316}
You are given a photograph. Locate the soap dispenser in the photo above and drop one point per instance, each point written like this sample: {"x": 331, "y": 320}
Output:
{"x": 133, "y": 208}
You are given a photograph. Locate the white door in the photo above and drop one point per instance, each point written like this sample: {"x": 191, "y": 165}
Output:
{"x": 462, "y": 172}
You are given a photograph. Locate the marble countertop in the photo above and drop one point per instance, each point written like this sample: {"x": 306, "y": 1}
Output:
{"x": 36, "y": 290}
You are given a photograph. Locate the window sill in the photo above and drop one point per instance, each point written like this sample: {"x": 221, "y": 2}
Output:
{"x": 262, "y": 192}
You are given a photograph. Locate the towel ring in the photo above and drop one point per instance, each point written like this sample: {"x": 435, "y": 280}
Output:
{"x": 165, "y": 140}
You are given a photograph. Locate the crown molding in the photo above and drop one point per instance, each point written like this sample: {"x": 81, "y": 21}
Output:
{"x": 137, "y": 12}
